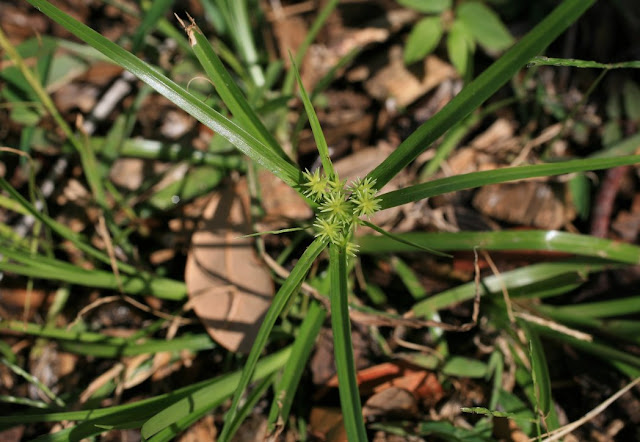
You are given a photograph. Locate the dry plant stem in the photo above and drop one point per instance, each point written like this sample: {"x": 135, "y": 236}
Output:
{"x": 128, "y": 299}
{"x": 563, "y": 431}
{"x": 116, "y": 93}
{"x": 103, "y": 231}
{"x": 100, "y": 381}
{"x": 603, "y": 206}
{"x": 95, "y": 304}
{"x": 555, "y": 326}
{"x": 503, "y": 287}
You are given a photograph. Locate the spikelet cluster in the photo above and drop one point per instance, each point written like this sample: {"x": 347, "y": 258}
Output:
{"x": 341, "y": 208}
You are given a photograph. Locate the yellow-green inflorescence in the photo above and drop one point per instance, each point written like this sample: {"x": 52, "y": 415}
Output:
{"x": 341, "y": 208}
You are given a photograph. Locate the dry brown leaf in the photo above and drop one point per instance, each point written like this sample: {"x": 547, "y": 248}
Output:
{"x": 229, "y": 288}
{"x": 204, "y": 429}
{"x": 396, "y": 82}
{"x": 393, "y": 401}
{"x": 327, "y": 424}
{"x": 534, "y": 204}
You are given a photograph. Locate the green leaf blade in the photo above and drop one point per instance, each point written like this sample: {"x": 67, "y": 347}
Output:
{"x": 280, "y": 301}
{"x": 318, "y": 135}
{"x": 230, "y": 93}
{"x": 477, "y": 179}
{"x": 343, "y": 347}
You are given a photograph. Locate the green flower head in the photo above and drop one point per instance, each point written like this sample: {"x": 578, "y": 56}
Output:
{"x": 316, "y": 185}
{"x": 337, "y": 207}
{"x": 340, "y": 208}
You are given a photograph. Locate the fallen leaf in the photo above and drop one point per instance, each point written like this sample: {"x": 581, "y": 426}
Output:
{"x": 527, "y": 203}
{"x": 327, "y": 424}
{"x": 204, "y": 429}
{"x": 392, "y": 402}
{"x": 229, "y": 288}
{"x": 405, "y": 86}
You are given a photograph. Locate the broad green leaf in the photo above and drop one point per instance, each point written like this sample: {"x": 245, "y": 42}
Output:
{"x": 458, "y": 47}
{"x": 464, "y": 367}
{"x": 476, "y": 92}
{"x": 427, "y": 6}
{"x": 484, "y": 25}
{"x": 423, "y": 39}
{"x": 477, "y": 179}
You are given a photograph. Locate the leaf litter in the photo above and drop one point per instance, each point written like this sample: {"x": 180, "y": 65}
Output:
{"x": 229, "y": 288}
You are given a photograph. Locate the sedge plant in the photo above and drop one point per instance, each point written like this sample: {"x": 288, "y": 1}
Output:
{"x": 340, "y": 208}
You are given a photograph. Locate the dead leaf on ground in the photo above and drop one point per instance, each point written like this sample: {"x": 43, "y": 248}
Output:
{"x": 405, "y": 86}
{"x": 229, "y": 288}
{"x": 326, "y": 424}
{"x": 204, "y": 429}
{"x": 392, "y": 402}
{"x": 527, "y": 203}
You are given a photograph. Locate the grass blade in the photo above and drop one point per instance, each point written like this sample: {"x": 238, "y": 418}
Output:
{"x": 321, "y": 18}
{"x": 237, "y": 136}
{"x": 477, "y": 179}
{"x": 230, "y": 93}
{"x": 539, "y": 371}
{"x": 50, "y": 268}
{"x": 543, "y": 240}
{"x": 481, "y": 88}
{"x": 601, "y": 309}
{"x": 281, "y": 299}
{"x": 98, "y": 345}
{"x": 342, "y": 346}
{"x": 403, "y": 240}
{"x": 302, "y": 347}
{"x": 572, "y": 62}
{"x": 318, "y": 135}
{"x": 520, "y": 281}
{"x": 211, "y": 394}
